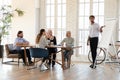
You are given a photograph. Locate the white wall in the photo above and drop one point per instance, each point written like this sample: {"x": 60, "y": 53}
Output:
{"x": 112, "y": 11}
{"x": 111, "y": 8}
{"x": 26, "y": 23}
{"x": 71, "y": 19}
{"x": 39, "y": 14}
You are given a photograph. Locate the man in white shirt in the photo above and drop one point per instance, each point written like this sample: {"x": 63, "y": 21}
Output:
{"x": 93, "y": 38}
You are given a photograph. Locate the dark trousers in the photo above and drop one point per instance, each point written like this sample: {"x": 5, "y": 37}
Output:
{"x": 67, "y": 54}
{"x": 27, "y": 54}
{"x": 45, "y": 59}
{"x": 53, "y": 56}
{"x": 93, "y": 47}
{"x": 21, "y": 52}
{"x": 49, "y": 57}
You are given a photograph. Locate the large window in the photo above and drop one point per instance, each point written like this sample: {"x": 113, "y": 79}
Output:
{"x": 56, "y": 17}
{"x": 50, "y": 13}
{"x": 86, "y": 8}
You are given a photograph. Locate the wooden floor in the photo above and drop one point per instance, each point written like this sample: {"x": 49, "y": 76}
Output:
{"x": 78, "y": 71}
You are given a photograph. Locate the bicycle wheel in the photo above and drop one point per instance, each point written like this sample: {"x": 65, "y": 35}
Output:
{"x": 100, "y": 56}
{"x": 118, "y": 54}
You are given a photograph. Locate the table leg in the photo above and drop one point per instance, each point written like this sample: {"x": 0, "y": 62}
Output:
{"x": 63, "y": 62}
{"x": 25, "y": 56}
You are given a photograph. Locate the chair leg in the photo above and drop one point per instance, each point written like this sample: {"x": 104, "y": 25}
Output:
{"x": 35, "y": 65}
{"x": 12, "y": 59}
{"x": 18, "y": 61}
{"x": 34, "y": 61}
{"x": 2, "y": 59}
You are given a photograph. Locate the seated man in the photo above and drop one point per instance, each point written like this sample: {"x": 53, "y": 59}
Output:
{"x": 69, "y": 42}
{"x": 21, "y": 41}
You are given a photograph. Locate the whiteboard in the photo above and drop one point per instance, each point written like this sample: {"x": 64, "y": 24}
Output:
{"x": 110, "y": 26}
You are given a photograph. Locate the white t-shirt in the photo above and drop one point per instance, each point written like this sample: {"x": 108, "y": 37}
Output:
{"x": 94, "y": 30}
{"x": 43, "y": 42}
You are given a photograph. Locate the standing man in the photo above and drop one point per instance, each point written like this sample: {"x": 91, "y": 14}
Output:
{"x": 21, "y": 41}
{"x": 93, "y": 38}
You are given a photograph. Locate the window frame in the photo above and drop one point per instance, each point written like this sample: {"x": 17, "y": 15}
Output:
{"x": 58, "y": 30}
{"x": 85, "y": 49}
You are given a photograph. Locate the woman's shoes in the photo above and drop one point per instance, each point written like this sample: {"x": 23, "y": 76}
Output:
{"x": 47, "y": 65}
{"x": 43, "y": 67}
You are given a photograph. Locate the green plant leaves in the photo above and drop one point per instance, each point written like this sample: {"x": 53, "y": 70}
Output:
{"x": 20, "y": 12}
{"x": 6, "y": 19}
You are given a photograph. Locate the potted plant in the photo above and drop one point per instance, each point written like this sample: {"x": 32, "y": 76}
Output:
{"x": 6, "y": 14}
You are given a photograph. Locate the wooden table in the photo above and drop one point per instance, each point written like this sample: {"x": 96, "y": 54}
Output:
{"x": 62, "y": 53}
{"x": 25, "y": 54}
{"x": 51, "y": 46}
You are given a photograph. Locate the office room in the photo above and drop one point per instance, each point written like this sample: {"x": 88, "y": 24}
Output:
{"x": 59, "y": 39}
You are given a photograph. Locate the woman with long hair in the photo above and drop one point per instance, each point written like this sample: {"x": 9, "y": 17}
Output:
{"x": 40, "y": 34}
{"x": 41, "y": 41}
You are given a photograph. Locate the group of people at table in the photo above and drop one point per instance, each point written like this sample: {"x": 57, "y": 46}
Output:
{"x": 43, "y": 39}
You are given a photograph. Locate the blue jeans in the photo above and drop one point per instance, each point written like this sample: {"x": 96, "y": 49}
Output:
{"x": 67, "y": 53}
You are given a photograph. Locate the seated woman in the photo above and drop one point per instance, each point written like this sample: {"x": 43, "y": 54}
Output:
{"x": 69, "y": 42}
{"x": 52, "y": 40}
{"x": 41, "y": 41}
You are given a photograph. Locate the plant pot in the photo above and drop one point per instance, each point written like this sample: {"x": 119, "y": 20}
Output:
{"x": 1, "y": 51}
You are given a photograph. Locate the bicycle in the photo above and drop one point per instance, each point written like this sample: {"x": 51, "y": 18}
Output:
{"x": 101, "y": 55}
